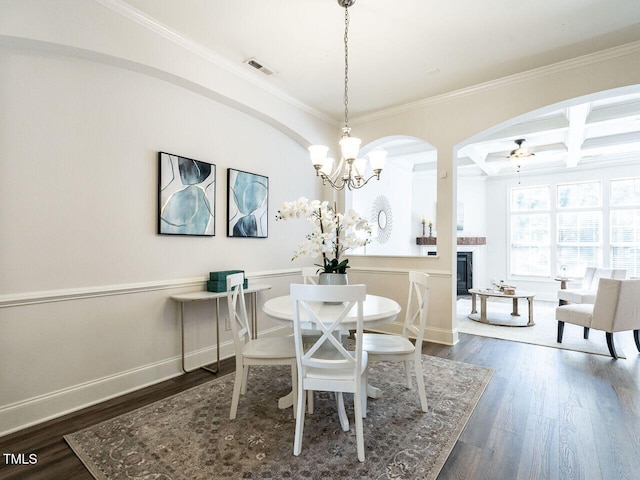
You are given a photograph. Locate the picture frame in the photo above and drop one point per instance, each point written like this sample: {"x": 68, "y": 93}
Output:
{"x": 247, "y": 204}
{"x": 186, "y": 196}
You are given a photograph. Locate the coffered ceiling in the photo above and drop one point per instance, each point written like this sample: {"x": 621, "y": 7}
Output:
{"x": 400, "y": 52}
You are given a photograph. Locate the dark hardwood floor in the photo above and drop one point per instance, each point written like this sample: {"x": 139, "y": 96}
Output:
{"x": 546, "y": 414}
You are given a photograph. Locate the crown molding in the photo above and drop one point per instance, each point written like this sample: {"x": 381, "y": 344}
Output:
{"x": 536, "y": 73}
{"x": 135, "y": 15}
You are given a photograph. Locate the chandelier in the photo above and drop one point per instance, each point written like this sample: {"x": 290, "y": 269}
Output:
{"x": 351, "y": 169}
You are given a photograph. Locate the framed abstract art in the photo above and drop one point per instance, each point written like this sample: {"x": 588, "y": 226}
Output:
{"x": 247, "y": 204}
{"x": 186, "y": 196}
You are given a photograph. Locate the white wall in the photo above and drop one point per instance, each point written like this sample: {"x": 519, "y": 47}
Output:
{"x": 85, "y": 278}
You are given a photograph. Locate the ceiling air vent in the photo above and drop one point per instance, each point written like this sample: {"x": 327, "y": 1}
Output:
{"x": 258, "y": 66}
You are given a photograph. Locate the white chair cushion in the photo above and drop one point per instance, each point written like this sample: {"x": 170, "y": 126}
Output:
{"x": 578, "y": 314}
{"x": 379, "y": 343}
{"x": 338, "y": 374}
{"x": 577, "y": 295}
{"x": 270, "y": 347}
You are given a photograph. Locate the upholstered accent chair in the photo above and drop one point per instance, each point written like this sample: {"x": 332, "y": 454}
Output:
{"x": 587, "y": 291}
{"x": 616, "y": 309}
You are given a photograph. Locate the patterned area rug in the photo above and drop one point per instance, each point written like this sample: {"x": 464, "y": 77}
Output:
{"x": 189, "y": 435}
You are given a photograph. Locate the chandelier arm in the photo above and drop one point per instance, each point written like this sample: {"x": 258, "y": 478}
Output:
{"x": 334, "y": 185}
{"x": 363, "y": 183}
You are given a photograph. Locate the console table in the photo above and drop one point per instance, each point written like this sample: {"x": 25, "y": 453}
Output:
{"x": 251, "y": 290}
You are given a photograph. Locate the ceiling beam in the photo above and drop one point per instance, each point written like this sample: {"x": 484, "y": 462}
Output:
{"x": 577, "y": 116}
{"x": 479, "y": 156}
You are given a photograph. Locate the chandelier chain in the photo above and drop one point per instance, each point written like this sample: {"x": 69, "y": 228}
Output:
{"x": 350, "y": 171}
{"x": 346, "y": 67}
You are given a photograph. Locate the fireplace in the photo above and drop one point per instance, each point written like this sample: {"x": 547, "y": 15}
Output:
{"x": 465, "y": 272}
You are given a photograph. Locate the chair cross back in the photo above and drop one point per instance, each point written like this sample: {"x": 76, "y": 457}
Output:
{"x": 238, "y": 308}
{"x": 327, "y": 335}
{"x": 414, "y": 324}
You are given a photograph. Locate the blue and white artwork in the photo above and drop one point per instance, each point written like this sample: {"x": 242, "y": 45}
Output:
{"x": 187, "y": 196}
{"x": 247, "y": 204}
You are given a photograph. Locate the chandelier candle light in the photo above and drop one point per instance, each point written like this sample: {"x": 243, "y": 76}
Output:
{"x": 351, "y": 169}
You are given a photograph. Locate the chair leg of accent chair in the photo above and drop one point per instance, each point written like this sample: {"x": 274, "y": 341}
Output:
{"x": 612, "y": 347}
{"x": 560, "y": 331}
{"x": 586, "y": 333}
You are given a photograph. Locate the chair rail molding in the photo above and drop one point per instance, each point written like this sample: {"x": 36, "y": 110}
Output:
{"x": 70, "y": 294}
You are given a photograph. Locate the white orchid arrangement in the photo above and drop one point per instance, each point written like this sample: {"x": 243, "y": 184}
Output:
{"x": 332, "y": 233}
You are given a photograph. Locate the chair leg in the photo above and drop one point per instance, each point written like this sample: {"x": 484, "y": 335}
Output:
{"x": 407, "y": 371}
{"x": 612, "y": 347}
{"x": 245, "y": 378}
{"x": 417, "y": 365}
{"x": 636, "y": 337}
{"x": 363, "y": 397}
{"x": 357, "y": 405}
{"x": 342, "y": 413}
{"x": 294, "y": 388}
{"x": 310, "y": 402}
{"x": 237, "y": 384}
{"x": 560, "y": 331}
{"x": 300, "y": 406}
{"x": 586, "y": 333}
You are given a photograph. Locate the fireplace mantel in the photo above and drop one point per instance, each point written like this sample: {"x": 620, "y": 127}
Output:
{"x": 461, "y": 240}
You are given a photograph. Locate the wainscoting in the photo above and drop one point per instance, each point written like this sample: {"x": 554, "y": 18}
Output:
{"x": 69, "y": 349}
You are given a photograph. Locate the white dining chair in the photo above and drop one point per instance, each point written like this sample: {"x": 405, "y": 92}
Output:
{"x": 259, "y": 351}
{"x": 310, "y": 275}
{"x": 398, "y": 348}
{"x": 327, "y": 365}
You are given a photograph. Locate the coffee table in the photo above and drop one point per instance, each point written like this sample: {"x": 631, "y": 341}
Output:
{"x": 498, "y": 318}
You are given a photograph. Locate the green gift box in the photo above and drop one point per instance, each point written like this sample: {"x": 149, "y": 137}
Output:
{"x": 222, "y": 275}
{"x": 218, "y": 280}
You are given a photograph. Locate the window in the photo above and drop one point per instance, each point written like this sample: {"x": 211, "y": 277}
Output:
{"x": 530, "y": 231}
{"x": 579, "y": 227}
{"x": 588, "y": 224}
{"x": 625, "y": 225}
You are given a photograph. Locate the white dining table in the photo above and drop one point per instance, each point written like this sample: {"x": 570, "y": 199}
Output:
{"x": 376, "y": 310}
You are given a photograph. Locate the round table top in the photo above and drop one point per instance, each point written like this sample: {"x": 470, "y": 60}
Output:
{"x": 376, "y": 309}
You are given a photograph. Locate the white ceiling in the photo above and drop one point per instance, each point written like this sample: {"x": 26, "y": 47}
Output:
{"x": 401, "y": 52}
